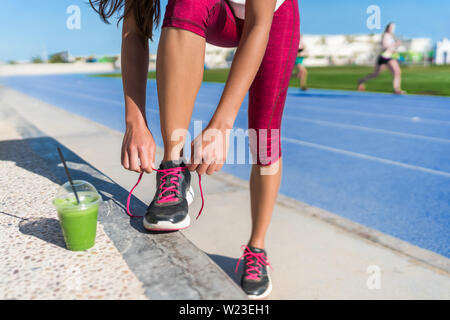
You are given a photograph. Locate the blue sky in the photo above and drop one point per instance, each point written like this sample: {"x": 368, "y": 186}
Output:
{"x": 32, "y": 27}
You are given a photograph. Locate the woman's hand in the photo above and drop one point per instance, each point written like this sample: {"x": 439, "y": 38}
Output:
{"x": 209, "y": 149}
{"x": 138, "y": 149}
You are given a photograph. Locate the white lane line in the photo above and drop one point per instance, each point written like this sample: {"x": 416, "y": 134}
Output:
{"x": 350, "y": 126}
{"x": 379, "y": 115}
{"x": 404, "y": 103}
{"x": 81, "y": 85}
{"x": 93, "y": 97}
{"x": 367, "y": 157}
{"x": 398, "y": 107}
{"x": 76, "y": 93}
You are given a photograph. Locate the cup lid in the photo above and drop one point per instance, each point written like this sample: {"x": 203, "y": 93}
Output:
{"x": 86, "y": 192}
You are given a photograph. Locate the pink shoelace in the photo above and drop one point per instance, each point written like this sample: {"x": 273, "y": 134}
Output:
{"x": 253, "y": 272}
{"x": 174, "y": 174}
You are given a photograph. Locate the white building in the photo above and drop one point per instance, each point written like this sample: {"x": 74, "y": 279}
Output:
{"x": 325, "y": 50}
{"x": 443, "y": 52}
{"x": 217, "y": 57}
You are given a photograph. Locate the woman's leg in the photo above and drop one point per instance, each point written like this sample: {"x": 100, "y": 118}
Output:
{"x": 299, "y": 74}
{"x": 303, "y": 76}
{"x": 179, "y": 75}
{"x": 263, "y": 194}
{"x": 266, "y": 103}
{"x": 394, "y": 67}
{"x": 376, "y": 72}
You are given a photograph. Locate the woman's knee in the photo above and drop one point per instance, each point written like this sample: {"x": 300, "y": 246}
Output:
{"x": 265, "y": 146}
{"x": 271, "y": 168}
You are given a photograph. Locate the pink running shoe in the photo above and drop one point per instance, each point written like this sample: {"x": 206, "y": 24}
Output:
{"x": 169, "y": 208}
{"x": 255, "y": 281}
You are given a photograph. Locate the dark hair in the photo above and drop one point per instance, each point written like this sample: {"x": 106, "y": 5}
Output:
{"x": 146, "y": 12}
{"x": 387, "y": 27}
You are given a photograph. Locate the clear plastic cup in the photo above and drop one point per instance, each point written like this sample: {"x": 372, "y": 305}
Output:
{"x": 78, "y": 221}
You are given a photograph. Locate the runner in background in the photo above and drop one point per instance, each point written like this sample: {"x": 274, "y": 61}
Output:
{"x": 386, "y": 59}
{"x": 302, "y": 73}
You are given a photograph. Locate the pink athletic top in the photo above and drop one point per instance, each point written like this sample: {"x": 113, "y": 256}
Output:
{"x": 239, "y": 7}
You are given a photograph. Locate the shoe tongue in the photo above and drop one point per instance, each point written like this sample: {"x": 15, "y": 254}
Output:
{"x": 171, "y": 164}
{"x": 256, "y": 250}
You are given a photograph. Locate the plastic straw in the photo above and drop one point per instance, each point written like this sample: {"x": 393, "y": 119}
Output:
{"x": 68, "y": 174}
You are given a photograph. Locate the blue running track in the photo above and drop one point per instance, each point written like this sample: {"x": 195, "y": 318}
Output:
{"x": 377, "y": 159}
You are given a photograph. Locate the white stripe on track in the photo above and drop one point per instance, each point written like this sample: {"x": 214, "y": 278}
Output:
{"x": 350, "y": 126}
{"x": 371, "y": 114}
{"x": 76, "y": 93}
{"x": 80, "y": 85}
{"x": 367, "y": 157}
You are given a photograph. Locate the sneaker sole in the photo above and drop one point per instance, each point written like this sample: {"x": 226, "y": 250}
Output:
{"x": 265, "y": 294}
{"x": 169, "y": 226}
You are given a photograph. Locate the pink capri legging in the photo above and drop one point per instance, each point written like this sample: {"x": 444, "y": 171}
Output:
{"x": 214, "y": 20}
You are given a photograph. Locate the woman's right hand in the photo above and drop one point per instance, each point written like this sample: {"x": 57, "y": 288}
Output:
{"x": 138, "y": 149}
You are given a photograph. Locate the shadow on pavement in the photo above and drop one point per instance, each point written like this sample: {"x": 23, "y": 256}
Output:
{"x": 39, "y": 155}
{"x": 46, "y": 229}
{"x": 228, "y": 265}
{"x": 156, "y": 259}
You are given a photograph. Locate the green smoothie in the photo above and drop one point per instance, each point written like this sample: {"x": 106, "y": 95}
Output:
{"x": 78, "y": 221}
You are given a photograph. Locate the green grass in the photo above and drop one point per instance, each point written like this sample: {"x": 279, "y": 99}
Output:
{"x": 431, "y": 80}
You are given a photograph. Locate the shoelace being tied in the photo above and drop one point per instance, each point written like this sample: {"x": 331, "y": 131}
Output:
{"x": 173, "y": 174}
{"x": 258, "y": 259}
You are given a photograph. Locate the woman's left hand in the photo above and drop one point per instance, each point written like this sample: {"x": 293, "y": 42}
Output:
{"x": 209, "y": 149}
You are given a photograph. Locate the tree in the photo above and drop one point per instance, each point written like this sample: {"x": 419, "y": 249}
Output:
{"x": 36, "y": 59}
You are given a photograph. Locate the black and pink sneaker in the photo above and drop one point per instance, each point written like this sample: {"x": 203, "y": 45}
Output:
{"x": 169, "y": 209}
{"x": 255, "y": 281}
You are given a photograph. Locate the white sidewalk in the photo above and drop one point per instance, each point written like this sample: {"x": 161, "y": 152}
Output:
{"x": 311, "y": 258}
